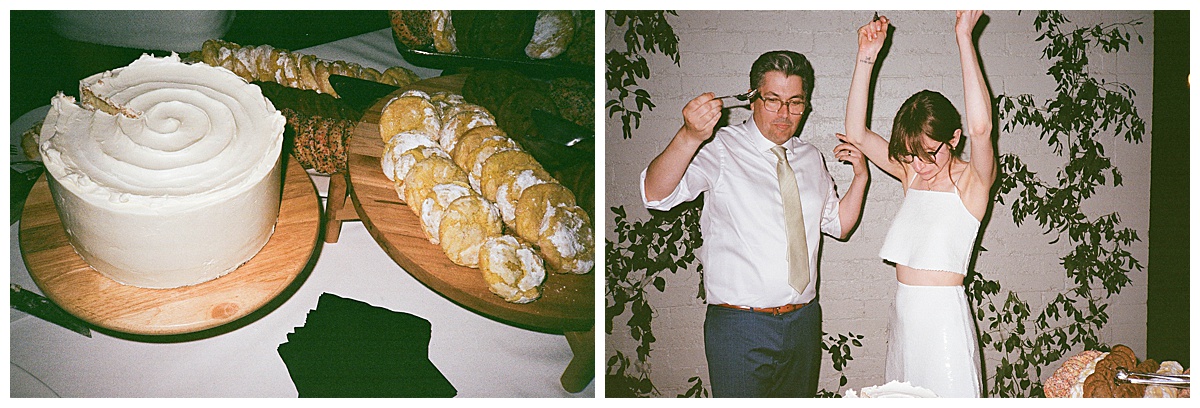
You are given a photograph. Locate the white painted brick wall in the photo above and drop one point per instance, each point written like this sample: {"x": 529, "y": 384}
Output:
{"x": 717, "y": 48}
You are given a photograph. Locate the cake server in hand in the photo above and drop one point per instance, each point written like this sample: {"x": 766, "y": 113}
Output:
{"x": 45, "y": 309}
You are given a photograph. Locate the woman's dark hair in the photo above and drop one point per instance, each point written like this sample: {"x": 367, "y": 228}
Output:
{"x": 925, "y": 113}
{"x": 787, "y": 62}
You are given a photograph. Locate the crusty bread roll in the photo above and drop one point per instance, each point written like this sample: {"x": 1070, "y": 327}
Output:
{"x": 412, "y": 27}
{"x": 552, "y": 34}
{"x": 410, "y": 113}
{"x": 426, "y": 174}
{"x": 512, "y": 269}
{"x": 466, "y": 223}
{"x": 434, "y": 204}
{"x": 443, "y": 32}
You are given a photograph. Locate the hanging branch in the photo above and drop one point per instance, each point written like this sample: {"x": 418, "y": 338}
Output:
{"x": 645, "y": 32}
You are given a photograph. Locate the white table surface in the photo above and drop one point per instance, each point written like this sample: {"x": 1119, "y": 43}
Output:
{"x": 479, "y": 356}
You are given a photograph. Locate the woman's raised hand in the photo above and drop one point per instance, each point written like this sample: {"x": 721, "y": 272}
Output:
{"x": 964, "y": 21}
{"x": 872, "y": 35}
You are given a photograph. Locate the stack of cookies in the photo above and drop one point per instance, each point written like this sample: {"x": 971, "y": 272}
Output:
{"x": 480, "y": 196}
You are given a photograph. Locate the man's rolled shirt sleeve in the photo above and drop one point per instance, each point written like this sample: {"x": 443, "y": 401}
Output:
{"x": 701, "y": 174}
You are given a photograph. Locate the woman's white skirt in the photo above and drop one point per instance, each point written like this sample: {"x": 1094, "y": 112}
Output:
{"x": 932, "y": 342}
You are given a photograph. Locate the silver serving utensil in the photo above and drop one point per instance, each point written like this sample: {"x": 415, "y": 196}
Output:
{"x": 742, "y": 96}
{"x": 1170, "y": 380}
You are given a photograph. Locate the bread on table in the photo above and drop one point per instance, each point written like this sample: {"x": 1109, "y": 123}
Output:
{"x": 412, "y": 27}
{"x": 471, "y": 182}
{"x": 466, "y": 223}
{"x": 512, "y": 269}
{"x": 442, "y": 27}
{"x": 552, "y": 34}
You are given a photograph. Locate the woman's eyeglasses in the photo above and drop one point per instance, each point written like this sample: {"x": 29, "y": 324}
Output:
{"x": 931, "y": 154}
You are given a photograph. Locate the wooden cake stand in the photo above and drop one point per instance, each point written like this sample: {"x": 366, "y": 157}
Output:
{"x": 66, "y": 278}
{"x": 567, "y": 304}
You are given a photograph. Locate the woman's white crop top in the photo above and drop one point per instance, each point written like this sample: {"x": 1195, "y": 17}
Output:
{"x": 933, "y": 231}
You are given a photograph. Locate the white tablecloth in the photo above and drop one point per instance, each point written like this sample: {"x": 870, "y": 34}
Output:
{"x": 480, "y": 357}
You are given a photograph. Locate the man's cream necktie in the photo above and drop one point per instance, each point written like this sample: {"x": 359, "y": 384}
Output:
{"x": 794, "y": 222}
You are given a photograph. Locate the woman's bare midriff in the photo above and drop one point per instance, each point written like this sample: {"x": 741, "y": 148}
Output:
{"x": 922, "y": 277}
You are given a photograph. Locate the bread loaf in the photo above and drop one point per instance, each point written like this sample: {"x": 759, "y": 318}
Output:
{"x": 443, "y": 32}
{"x": 552, "y": 33}
{"x": 412, "y": 27}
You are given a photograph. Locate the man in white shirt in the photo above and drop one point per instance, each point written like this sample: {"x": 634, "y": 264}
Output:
{"x": 762, "y": 336}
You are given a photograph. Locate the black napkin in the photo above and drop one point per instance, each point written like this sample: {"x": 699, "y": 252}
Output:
{"x": 348, "y": 348}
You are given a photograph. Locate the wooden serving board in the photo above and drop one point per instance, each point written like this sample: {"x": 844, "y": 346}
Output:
{"x": 567, "y": 302}
{"x": 66, "y": 278}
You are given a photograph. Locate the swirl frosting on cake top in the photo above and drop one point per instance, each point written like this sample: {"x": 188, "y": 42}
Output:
{"x": 167, "y": 174}
{"x": 162, "y": 128}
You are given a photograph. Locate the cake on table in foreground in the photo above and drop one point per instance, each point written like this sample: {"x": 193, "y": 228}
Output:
{"x": 165, "y": 174}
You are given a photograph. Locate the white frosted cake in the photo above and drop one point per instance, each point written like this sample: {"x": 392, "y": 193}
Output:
{"x": 167, "y": 174}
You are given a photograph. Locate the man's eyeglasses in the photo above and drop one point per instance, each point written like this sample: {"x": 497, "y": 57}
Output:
{"x": 795, "y": 106}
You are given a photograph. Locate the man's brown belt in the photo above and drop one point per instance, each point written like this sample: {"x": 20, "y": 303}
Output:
{"x": 774, "y": 311}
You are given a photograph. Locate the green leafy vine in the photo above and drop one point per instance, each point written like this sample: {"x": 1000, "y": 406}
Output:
{"x": 645, "y": 31}
{"x": 1072, "y": 123}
